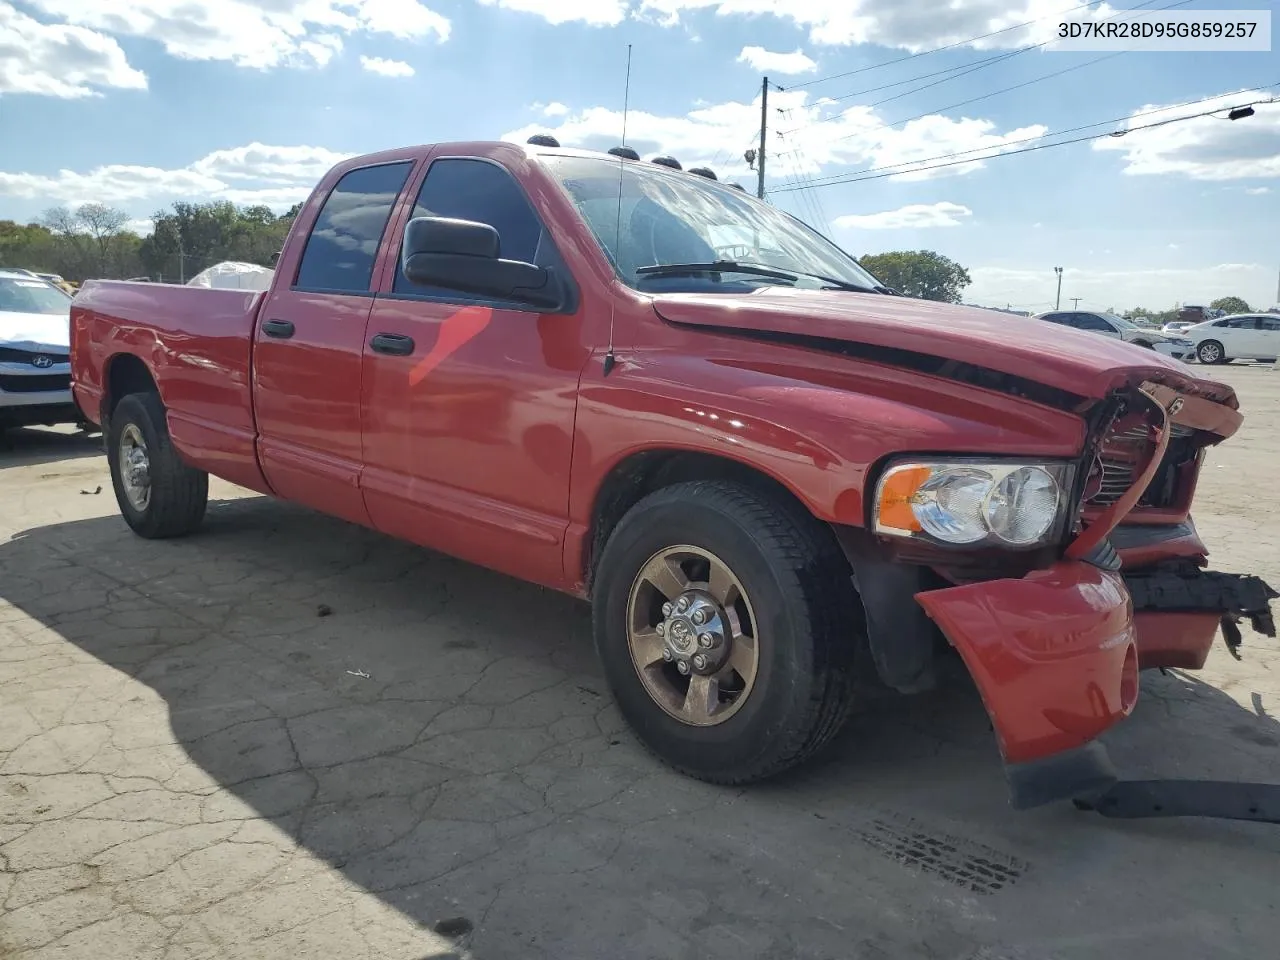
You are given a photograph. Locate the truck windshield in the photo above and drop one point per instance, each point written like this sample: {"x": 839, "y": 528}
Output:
{"x": 672, "y": 217}
{"x": 20, "y": 295}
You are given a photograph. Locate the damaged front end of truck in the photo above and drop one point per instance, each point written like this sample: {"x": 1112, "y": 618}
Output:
{"x": 1056, "y": 638}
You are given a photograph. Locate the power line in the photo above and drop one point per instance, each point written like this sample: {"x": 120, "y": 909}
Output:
{"x": 965, "y": 69}
{"x": 986, "y": 96}
{"x": 820, "y": 181}
{"x": 949, "y": 46}
{"x": 973, "y": 68}
{"x": 854, "y": 178}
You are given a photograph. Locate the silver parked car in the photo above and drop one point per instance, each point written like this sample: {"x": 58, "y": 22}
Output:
{"x": 35, "y": 346}
{"x": 1109, "y": 325}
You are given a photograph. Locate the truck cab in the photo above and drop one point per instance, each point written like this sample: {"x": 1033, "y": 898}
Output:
{"x": 779, "y": 484}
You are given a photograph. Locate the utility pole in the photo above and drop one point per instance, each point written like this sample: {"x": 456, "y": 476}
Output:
{"x": 1057, "y": 303}
{"x": 764, "y": 124}
{"x": 1075, "y": 302}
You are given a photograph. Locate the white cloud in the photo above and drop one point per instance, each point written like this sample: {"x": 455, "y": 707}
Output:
{"x": 554, "y": 110}
{"x": 252, "y": 34}
{"x": 1257, "y": 191}
{"x": 143, "y": 227}
{"x": 890, "y": 23}
{"x": 55, "y": 60}
{"x": 914, "y": 216}
{"x": 387, "y": 68}
{"x": 1154, "y": 288}
{"x": 596, "y": 13}
{"x": 769, "y": 61}
{"x": 268, "y": 164}
{"x": 1205, "y": 148}
{"x": 810, "y": 136}
{"x": 276, "y": 177}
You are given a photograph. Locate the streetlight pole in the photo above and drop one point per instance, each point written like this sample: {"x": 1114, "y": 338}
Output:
{"x": 1075, "y": 302}
{"x": 1057, "y": 303}
{"x": 764, "y": 126}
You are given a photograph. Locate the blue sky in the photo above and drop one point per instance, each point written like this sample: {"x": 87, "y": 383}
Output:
{"x": 142, "y": 104}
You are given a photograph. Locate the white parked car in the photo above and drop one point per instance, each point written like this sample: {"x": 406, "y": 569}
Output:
{"x": 1109, "y": 325}
{"x": 1244, "y": 336}
{"x": 35, "y": 347}
{"x": 1177, "y": 328}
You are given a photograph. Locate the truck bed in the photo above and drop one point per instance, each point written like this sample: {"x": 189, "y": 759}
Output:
{"x": 196, "y": 342}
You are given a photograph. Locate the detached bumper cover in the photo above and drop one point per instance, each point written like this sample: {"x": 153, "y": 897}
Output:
{"x": 1053, "y": 654}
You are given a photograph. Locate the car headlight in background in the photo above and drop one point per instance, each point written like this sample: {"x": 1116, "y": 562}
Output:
{"x": 974, "y": 503}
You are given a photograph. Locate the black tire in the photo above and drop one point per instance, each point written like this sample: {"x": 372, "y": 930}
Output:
{"x": 179, "y": 493}
{"x": 811, "y": 628}
{"x": 1209, "y": 347}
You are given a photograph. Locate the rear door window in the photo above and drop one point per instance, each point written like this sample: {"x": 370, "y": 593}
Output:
{"x": 343, "y": 244}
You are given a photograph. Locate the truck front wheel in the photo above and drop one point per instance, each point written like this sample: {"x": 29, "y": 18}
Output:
{"x": 727, "y": 627}
{"x": 159, "y": 495}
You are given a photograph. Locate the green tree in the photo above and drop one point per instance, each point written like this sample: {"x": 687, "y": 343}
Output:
{"x": 192, "y": 236}
{"x": 1157, "y": 317}
{"x": 1230, "y": 305}
{"x": 919, "y": 273}
{"x": 90, "y": 241}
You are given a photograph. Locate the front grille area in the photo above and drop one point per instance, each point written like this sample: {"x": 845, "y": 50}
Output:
{"x": 19, "y": 384}
{"x": 1121, "y": 457}
{"x": 14, "y": 355}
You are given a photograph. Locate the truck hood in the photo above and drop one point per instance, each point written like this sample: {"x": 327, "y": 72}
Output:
{"x": 1075, "y": 362}
{"x": 36, "y": 329}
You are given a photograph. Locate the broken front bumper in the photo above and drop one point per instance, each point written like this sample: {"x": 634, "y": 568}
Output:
{"x": 1056, "y": 656}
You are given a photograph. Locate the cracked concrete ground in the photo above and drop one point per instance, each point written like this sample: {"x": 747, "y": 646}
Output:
{"x": 195, "y": 762}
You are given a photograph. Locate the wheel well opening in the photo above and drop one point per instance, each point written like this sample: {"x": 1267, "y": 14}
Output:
{"x": 126, "y": 374}
{"x": 644, "y": 473}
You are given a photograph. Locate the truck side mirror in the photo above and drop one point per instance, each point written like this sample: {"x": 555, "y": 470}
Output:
{"x": 464, "y": 255}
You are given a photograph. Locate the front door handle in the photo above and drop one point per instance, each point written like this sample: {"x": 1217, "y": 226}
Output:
{"x": 395, "y": 344}
{"x": 279, "y": 329}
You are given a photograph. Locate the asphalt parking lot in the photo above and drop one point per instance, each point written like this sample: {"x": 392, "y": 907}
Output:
{"x": 288, "y": 737}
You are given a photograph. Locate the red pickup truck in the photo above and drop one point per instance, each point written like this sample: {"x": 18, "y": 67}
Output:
{"x": 778, "y": 482}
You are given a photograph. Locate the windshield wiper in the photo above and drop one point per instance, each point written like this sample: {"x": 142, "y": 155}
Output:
{"x": 846, "y": 285}
{"x": 751, "y": 269}
{"x": 714, "y": 266}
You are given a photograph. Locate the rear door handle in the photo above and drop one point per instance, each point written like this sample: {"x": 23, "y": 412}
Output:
{"x": 395, "y": 344}
{"x": 280, "y": 329}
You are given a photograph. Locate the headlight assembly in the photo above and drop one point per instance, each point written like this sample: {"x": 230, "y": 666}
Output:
{"x": 974, "y": 503}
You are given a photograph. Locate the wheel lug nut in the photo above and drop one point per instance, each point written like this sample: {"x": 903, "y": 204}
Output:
{"x": 661, "y": 629}
{"x": 699, "y": 617}
{"x": 666, "y": 609}
{"x": 682, "y": 604}
{"x": 682, "y": 666}
{"x": 667, "y": 654}
{"x": 699, "y": 661}
{"x": 706, "y": 640}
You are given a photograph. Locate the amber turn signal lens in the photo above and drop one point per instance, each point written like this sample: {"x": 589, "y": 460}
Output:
{"x": 896, "y": 492}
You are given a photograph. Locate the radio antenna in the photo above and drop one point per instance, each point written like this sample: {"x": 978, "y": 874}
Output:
{"x": 609, "y": 358}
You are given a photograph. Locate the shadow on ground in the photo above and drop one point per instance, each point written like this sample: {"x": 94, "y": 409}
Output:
{"x": 441, "y": 735}
{"x": 35, "y": 445}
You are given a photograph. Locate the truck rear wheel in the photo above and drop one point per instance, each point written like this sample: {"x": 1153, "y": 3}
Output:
{"x": 159, "y": 495}
{"x": 727, "y": 627}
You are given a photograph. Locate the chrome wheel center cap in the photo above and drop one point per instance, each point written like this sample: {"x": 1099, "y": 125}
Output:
{"x": 681, "y": 634}
{"x": 695, "y": 633}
